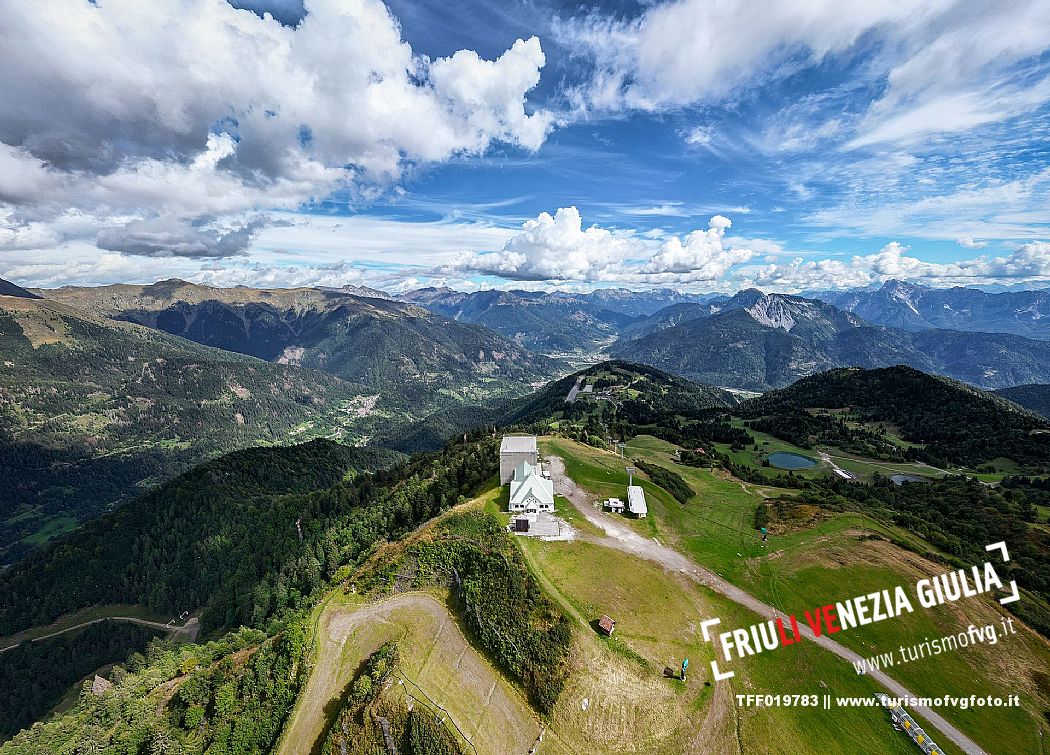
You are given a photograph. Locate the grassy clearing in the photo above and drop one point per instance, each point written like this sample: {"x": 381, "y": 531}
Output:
{"x": 51, "y": 528}
{"x": 435, "y": 655}
{"x": 799, "y": 569}
{"x": 632, "y": 707}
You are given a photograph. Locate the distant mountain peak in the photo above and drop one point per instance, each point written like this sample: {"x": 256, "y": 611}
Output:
{"x": 7, "y": 288}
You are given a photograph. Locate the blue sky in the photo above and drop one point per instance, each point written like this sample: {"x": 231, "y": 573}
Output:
{"x": 706, "y": 146}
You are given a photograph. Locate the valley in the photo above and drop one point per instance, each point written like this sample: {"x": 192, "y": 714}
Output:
{"x": 391, "y": 584}
{"x": 384, "y": 377}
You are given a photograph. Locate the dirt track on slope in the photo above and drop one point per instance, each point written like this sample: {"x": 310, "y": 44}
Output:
{"x": 189, "y": 629}
{"x": 619, "y": 535}
{"x": 480, "y": 702}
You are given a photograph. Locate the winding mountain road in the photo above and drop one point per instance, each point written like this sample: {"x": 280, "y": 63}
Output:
{"x": 190, "y": 628}
{"x": 621, "y": 536}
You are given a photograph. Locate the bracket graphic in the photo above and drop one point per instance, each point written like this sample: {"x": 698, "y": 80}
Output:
{"x": 718, "y": 675}
{"x": 1016, "y": 595}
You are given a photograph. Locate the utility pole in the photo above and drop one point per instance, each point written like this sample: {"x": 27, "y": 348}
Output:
{"x": 630, "y": 475}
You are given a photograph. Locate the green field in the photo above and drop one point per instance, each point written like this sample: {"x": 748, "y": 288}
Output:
{"x": 807, "y": 566}
{"x": 658, "y": 617}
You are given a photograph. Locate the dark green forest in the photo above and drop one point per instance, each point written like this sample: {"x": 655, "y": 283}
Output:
{"x": 231, "y": 697}
{"x": 36, "y": 675}
{"x": 955, "y": 423}
{"x": 225, "y": 536}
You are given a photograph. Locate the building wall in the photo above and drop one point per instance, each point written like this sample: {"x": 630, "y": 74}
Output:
{"x": 510, "y": 459}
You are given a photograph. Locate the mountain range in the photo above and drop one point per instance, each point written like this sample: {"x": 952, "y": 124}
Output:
{"x": 551, "y": 322}
{"x": 109, "y": 389}
{"x": 106, "y": 391}
{"x": 759, "y": 341}
{"x": 912, "y": 307}
{"x": 93, "y": 409}
{"x": 415, "y": 356}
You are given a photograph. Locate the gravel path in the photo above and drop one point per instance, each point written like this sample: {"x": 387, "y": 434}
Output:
{"x": 190, "y": 628}
{"x": 620, "y": 535}
{"x": 495, "y": 708}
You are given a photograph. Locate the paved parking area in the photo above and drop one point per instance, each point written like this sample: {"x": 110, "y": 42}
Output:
{"x": 548, "y": 527}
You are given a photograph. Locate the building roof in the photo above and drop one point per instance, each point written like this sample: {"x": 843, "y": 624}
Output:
{"x": 534, "y": 484}
{"x": 636, "y": 500}
{"x": 523, "y": 470}
{"x": 606, "y": 624}
{"x": 518, "y": 444}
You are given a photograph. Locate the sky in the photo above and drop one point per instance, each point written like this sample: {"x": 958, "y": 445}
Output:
{"x": 700, "y": 145}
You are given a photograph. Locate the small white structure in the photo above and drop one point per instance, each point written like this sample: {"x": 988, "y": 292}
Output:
{"x": 636, "y": 501}
{"x": 615, "y": 505}
{"x": 530, "y": 491}
{"x": 513, "y": 450}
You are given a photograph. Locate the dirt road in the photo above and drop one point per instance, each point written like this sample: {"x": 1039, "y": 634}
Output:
{"x": 436, "y": 656}
{"x": 619, "y": 535}
{"x": 189, "y": 629}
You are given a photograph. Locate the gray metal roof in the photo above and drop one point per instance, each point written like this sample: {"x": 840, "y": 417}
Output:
{"x": 518, "y": 444}
{"x": 636, "y": 500}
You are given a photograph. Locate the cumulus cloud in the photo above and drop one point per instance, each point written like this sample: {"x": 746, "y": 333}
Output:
{"x": 1030, "y": 262}
{"x": 970, "y": 243}
{"x": 194, "y": 109}
{"x": 90, "y": 86}
{"x": 559, "y": 248}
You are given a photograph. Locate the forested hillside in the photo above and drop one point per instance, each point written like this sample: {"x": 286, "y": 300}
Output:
{"x": 955, "y": 423}
{"x": 36, "y": 675}
{"x": 92, "y": 410}
{"x": 227, "y": 696}
{"x": 1034, "y": 398}
{"x": 224, "y": 537}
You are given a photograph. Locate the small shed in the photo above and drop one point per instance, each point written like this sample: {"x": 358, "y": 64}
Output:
{"x": 606, "y": 625}
{"x": 614, "y": 505}
{"x": 636, "y": 501}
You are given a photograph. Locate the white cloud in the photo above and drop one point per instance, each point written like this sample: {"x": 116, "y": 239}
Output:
{"x": 179, "y": 112}
{"x": 288, "y": 249}
{"x": 996, "y": 209}
{"x": 173, "y": 237}
{"x": 559, "y": 248}
{"x": 1030, "y": 262}
{"x": 699, "y": 136}
{"x": 970, "y": 243}
{"x": 941, "y": 66}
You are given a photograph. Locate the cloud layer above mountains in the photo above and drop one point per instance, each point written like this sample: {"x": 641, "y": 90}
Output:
{"x": 795, "y": 144}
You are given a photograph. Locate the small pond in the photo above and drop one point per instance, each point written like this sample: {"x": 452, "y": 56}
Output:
{"x": 900, "y": 479}
{"x": 788, "y": 460}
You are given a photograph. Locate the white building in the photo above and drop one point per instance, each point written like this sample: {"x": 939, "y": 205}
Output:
{"x": 636, "y": 501}
{"x": 530, "y": 491}
{"x": 513, "y": 450}
{"x": 615, "y": 505}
